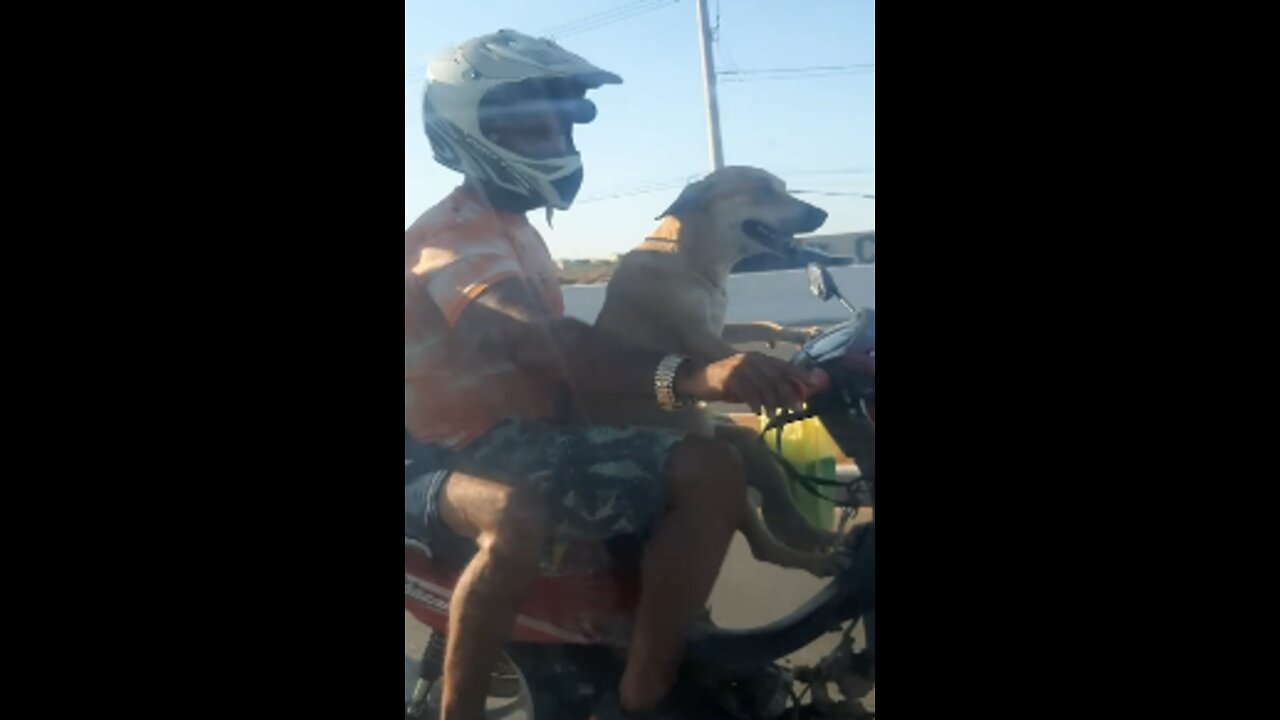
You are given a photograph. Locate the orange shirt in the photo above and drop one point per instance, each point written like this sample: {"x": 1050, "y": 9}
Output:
{"x": 452, "y": 254}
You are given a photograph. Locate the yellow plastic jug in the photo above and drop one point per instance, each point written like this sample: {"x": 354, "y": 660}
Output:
{"x": 810, "y": 450}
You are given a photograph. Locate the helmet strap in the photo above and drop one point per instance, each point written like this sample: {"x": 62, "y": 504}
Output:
{"x": 509, "y": 201}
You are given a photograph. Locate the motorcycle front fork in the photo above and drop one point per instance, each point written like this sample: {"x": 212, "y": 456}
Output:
{"x": 429, "y": 672}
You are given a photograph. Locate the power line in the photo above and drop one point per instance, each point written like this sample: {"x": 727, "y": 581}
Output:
{"x": 595, "y": 17}
{"x": 797, "y": 73}
{"x": 644, "y": 189}
{"x": 796, "y": 76}
{"x": 834, "y": 185}
{"x": 661, "y": 185}
{"x": 610, "y": 21}
{"x": 812, "y": 68}
{"x": 725, "y": 54}
{"x": 607, "y": 17}
{"x": 864, "y": 196}
{"x": 576, "y": 27}
{"x": 837, "y": 171}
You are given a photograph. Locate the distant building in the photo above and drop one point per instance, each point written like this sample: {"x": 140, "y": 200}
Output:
{"x": 859, "y": 246}
{"x": 585, "y": 271}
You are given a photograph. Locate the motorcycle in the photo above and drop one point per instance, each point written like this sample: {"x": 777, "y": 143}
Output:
{"x": 569, "y": 643}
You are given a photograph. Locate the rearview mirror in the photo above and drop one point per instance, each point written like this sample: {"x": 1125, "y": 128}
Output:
{"x": 821, "y": 284}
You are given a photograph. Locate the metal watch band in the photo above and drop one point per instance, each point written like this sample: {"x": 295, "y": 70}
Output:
{"x": 664, "y": 382}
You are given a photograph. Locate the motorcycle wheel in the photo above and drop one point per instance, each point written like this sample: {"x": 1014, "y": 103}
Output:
{"x": 533, "y": 683}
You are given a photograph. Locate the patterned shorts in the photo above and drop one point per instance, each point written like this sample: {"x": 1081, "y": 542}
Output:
{"x": 598, "y": 482}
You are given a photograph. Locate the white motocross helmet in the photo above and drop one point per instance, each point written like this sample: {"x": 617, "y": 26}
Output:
{"x": 468, "y": 85}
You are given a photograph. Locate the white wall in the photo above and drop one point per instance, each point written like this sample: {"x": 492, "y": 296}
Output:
{"x": 781, "y": 297}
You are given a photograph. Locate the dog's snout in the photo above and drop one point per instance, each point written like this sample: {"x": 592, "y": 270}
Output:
{"x": 814, "y": 217}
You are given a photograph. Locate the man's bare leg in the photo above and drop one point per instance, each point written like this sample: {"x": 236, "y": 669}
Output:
{"x": 509, "y": 526}
{"x": 764, "y": 474}
{"x": 705, "y": 488}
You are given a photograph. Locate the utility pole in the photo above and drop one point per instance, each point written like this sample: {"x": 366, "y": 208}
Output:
{"x": 709, "y": 83}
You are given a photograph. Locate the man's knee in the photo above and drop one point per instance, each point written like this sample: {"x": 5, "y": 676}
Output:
{"x": 736, "y": 435}
{"x": 761, "y": 464}
{"x": 520, "y": 524}
{"x": 706, "y": 471}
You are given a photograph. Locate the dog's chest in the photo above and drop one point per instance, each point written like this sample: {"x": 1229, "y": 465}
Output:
{"x": 717, "y": 306}
{"x": 701, "y": 304}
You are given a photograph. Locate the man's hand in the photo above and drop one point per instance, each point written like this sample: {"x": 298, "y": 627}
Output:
{"x": 760, "y": 381}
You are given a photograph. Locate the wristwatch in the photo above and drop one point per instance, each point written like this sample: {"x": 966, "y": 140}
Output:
{"x": 664, "y": 382}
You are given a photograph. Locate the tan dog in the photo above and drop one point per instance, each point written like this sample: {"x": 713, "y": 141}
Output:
{"x": 669, "y": 295}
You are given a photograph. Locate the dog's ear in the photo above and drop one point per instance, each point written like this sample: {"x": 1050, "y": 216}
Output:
{"x": 692, "y": 199}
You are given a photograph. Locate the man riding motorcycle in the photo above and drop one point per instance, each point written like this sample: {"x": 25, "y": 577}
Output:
{"x": 492, "y": 368}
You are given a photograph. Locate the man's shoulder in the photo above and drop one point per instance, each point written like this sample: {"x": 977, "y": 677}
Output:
{"x": 456, "y": 210}
{"x": 456, "y": 227}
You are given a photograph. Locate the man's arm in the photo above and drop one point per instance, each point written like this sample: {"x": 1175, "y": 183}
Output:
{"x": 507, "y": 321}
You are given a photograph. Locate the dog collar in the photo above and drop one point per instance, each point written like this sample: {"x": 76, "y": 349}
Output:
{"x": 662, "y": 245}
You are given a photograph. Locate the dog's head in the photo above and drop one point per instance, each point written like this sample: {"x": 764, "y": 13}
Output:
{"x": 744, "y": 211}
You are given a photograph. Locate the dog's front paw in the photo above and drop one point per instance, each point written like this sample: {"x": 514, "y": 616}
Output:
{"x": 827, "y": 565}
{"x": 798, "y": 336}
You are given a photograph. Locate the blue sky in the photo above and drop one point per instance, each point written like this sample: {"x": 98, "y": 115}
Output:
{"x": 817, "y": 132}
